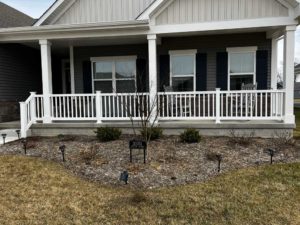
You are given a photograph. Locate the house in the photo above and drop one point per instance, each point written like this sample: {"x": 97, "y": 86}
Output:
{"x": 297, "y": 83}
{"x": 207, "y": 64}
{"x": 19, "y": 70}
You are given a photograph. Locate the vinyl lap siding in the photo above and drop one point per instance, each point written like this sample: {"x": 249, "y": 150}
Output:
{"x": 93, "y": 11}
{"x": 20, "y": 72}
{"x": 217, "y": 43}
{"x": 192, "y": 11}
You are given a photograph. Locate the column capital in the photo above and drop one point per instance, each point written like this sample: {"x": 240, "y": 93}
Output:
{"x": 291, "y": 28}
{"x": 151, "y": 36}
{"x": 45, "y": 42}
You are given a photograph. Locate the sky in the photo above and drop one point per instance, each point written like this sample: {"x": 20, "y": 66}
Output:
{"x": 35, "y": 8}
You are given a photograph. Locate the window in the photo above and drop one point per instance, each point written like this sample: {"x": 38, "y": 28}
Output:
{"x": 114, "y": 75}
{"x": 183, "y": 70}
{"x": 241, "y": 67}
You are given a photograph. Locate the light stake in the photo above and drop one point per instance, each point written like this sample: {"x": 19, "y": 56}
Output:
{"x": 219, "y": 158}
{"x": 24, "y": 142}
{"x": 18, "y": 133}
{"x": 124, "y": 177}
{"x": 4, "y": 136}
{"x": 62, "y": 149}
{"x": 271, "y": 153}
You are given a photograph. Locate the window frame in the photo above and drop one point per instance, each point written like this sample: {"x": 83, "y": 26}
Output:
{"x": 114, "y": 79}
{"x": 234, "y": 50}
{"x": 191, "y": 52}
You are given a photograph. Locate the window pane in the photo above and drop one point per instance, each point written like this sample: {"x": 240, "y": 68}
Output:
{"x": 103, "y": 70}
{"x": 236, "y": 81}
{"x": 103, "y": 86}
{"x": 242, "y": 63}
{"x": 125, "y": 86}
{"x": 125, "y": 69}
{"x": 183, "y": 65}
{"x": 183, "y": 83}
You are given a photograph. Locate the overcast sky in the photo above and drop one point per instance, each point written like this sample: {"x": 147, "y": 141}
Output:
{"x": 35, "y": 8}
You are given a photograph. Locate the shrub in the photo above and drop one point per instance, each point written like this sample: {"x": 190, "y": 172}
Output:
{"x": 153, "y": 133}
{"x": 243, "y": 139}
{"x": 106, "y": 134}
{"x": 88, "y": 154}
{"x": 190, "y": 136}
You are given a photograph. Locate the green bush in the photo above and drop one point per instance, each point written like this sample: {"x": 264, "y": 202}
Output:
{"x": 153, "y": 133}
{"x": 105, "y": 134}
{"x": 190, "y": 136}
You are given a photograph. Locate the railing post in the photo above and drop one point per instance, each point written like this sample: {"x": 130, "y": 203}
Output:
{"x": 33, "y": 107}
{"x": 98, "y": 107}
{"x": 218, "y": 105}
{"x": 23, "y": 118}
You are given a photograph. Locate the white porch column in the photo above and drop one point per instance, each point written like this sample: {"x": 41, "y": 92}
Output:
{"x": 72, "y": 71}
{"x": 152, "y": 50}
{"x": 288, "y": 73}
{"x": 274, "y": 69}
{"x": 46, "y": 78}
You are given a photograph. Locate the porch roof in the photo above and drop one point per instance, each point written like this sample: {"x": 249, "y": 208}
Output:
{"x": 32, "y": 33}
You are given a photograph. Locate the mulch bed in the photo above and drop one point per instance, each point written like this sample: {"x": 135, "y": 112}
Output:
{"x": 170, "y": 162}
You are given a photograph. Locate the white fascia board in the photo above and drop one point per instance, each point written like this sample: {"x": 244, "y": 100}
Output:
{"x": 223, "y": 25}
{"x": 126, "y": 28}
{"x": 146, "y": 14}
{"x": 49, "y": 12}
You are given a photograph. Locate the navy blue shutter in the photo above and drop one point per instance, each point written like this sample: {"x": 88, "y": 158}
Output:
{"x": 164, "y": 71}
{"x": 262, "y": 69}
{"x": 87, "y": 77}
{"x": 141, "y": 75}
{"x": 201, "y": 71}
{"x": 222, "y": 70}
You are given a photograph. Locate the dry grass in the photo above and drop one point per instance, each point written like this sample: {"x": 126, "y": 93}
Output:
{"x": 34, "y": 191}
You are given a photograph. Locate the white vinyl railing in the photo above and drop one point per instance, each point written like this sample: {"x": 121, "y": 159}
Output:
{"x": 210, "y": 105}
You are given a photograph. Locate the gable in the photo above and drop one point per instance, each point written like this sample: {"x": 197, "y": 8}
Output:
{"x": 95, "y": 11}
{"x": 194, "y": 11}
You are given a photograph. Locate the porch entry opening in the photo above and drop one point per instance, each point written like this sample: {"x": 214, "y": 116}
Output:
{"x": 114, "y": 74}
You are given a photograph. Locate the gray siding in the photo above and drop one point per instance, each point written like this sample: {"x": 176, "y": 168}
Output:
{"x": 82, "y": 54}
{"x": 93, "y": 11}
{"x": 193, "y": 11}
{"x": 20, "y": 72}
{"x": 213, "y": 44}
{"x": 204, "y": 44}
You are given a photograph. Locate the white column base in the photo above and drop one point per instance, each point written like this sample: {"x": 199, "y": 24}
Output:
{"x": 289, "y": 119}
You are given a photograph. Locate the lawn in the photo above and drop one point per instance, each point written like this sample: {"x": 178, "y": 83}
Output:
{"x": 35, "y": 191}
{"x": 297, "y": 130}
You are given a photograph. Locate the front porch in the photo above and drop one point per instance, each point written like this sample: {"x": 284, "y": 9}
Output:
{"x": 111, "y": 85}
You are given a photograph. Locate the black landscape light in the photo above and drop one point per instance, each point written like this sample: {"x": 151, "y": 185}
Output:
{"x": 62, "y": 149}
{"x": 271, "y": 153}
{"x": 219, "y": 159}
{"x": 4, "y": 136}
{"x": 18, "y": 133}
{"x": 24, "y": 142}
{"x": 124, "y": 177}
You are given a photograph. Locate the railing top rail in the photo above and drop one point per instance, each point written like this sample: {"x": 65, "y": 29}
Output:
{"x": 186, "y": 93}
{"x": 252, "y": 91}
{"x": 125, "y": 94}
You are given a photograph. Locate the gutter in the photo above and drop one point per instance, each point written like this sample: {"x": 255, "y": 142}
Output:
{"x": 134, "y": 25}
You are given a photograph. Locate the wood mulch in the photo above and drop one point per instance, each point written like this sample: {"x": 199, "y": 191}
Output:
{"x": 170, "y": 162}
